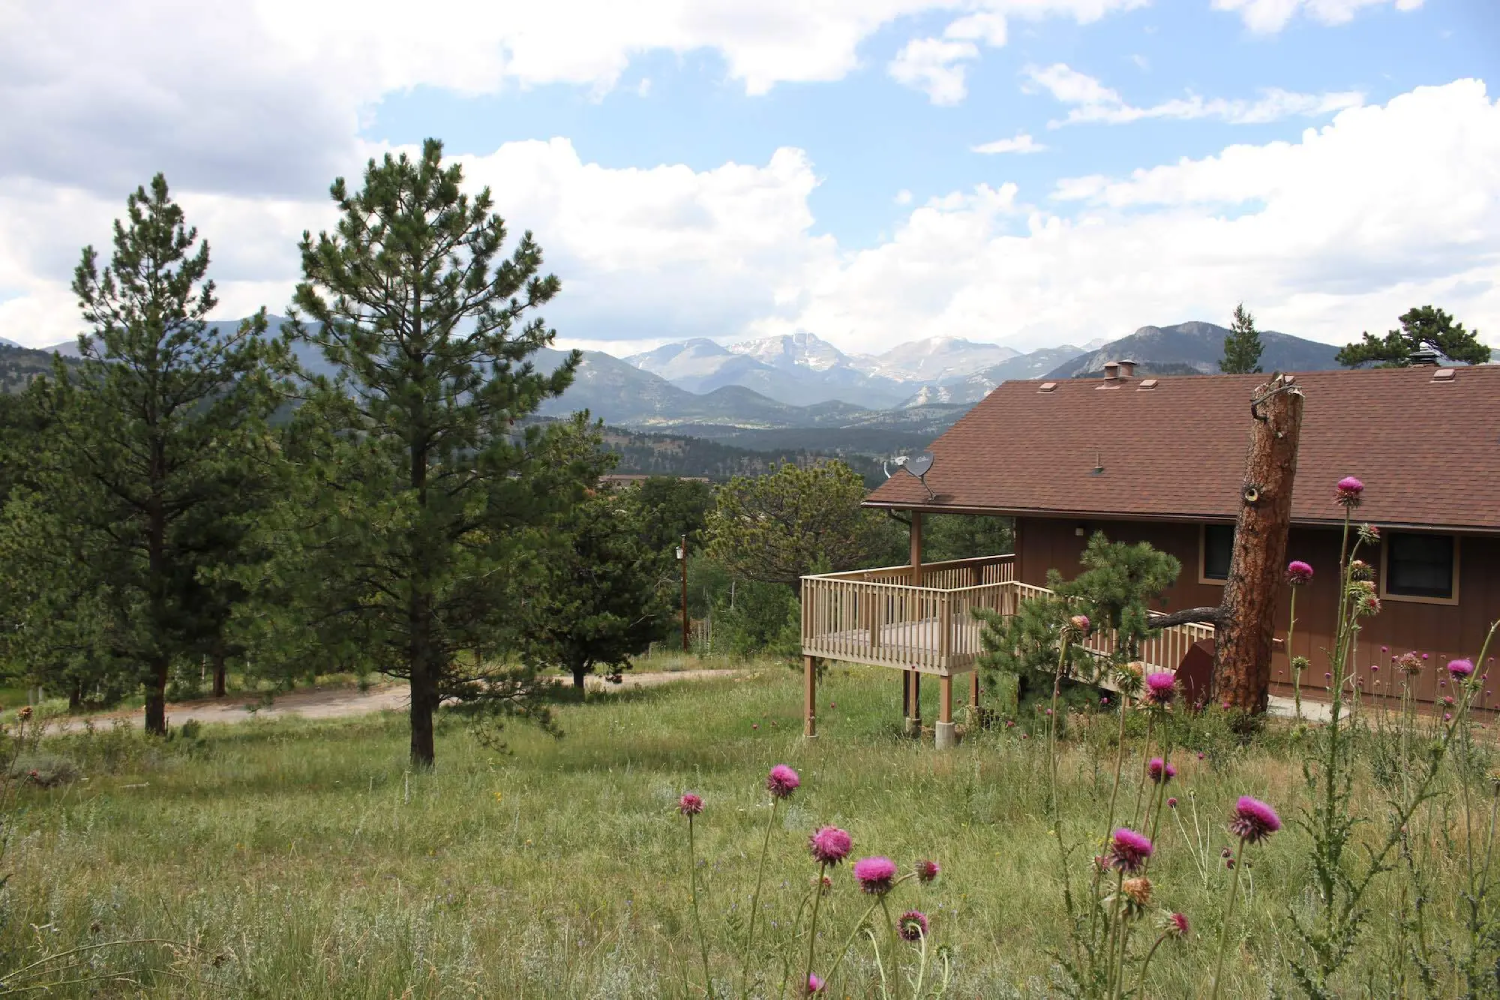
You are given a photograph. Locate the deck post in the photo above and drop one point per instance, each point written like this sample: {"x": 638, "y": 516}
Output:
{"x": 974, "y": 688}
{"x": 946, "y": 737}
{"x": 914, "y": 720}
{"x": 911, "y": 695}
{"x": 809, "y": 667}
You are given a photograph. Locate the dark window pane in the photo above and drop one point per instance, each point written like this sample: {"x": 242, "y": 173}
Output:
{"x": 1419, "y": 565}
{"x": 1218, "y": 543}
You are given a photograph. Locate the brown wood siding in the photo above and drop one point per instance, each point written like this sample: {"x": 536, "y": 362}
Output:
{"x": 1443, "y": 631}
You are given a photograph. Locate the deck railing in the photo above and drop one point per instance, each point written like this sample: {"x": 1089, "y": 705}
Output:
{"x": 876, "y": 616}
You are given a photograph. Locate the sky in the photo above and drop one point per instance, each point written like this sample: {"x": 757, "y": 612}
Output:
{"x": 1022, "y": 172}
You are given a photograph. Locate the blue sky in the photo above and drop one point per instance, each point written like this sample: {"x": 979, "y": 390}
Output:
{"x": 870, "y": 137}
{"x": 746, "y": 168}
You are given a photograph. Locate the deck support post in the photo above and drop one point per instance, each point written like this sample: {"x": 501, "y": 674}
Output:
{"x": 810, "y": 668}
{"x": 974, "y": 688}
{"x": 946, "y": 737}
{"x": 914, "y": 703}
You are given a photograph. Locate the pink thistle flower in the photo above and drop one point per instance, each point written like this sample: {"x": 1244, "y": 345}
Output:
{"x": 814, "y": 984}
{"x": 1348, "y": 492}
{"x": 1460, "y": 669}
{"x": 1425, "y": 656}
{"x": 912, "y": 925}
{"x": 1298, "y": 573}
{"x": 1409, "y": 663}
{"x": 782, "y": 781}
{"x": 1128, "y": 850}
{"x": 875, "y": 875}
{"x": 830, "y": 845}
{"x": 1160, "y": 770}
{"x": 690, "y": 804}
{"x": 1160, "y": 688}
{"x": 1385, "y": 649}
{"x": 1172, "y": 802}
{"x": 927, "y": 871}
{"x": 1080, "y": 622}
{"x": 1201, "y": 755}
{"x": 1177, "y": 925}
{"x": 1253, "y": 820}
{"x": 1447, "y": 716}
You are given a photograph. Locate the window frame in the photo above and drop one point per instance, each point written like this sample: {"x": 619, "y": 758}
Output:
{"x": 1203, "y": 576}
{"x": 1385, "y": 559}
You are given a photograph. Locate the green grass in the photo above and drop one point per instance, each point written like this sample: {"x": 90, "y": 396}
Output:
{"x": 304, "y": 860}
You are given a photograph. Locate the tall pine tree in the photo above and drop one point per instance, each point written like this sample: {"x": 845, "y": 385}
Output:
{"x": 145, "y": 436}
{"x": 428, "y": 483}
{"x": 1242, "y": 348}
{"x": 1424, "y": 327}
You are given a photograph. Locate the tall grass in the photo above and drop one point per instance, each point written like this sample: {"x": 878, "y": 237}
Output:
{"x": 302, "y": 859}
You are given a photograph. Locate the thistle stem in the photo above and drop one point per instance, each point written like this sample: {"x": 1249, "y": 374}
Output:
{"x": 812, "y": 930}
{"x": 760, "y": 875}
{"x": 708, "y": 983}
{"x": 1234, "y": 884}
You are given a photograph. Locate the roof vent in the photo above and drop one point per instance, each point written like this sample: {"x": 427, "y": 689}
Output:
{"x": 1444, "y": 375}
{"x": 1149, "y": 383}
{"x": 1422, "y": 356}
{"x": 1047, "y": 387}
{"x": 1112, "y": 369}
{"x": 1127, "y": 368}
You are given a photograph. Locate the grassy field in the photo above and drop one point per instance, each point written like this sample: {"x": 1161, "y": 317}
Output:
{"x": 304, "y": 860}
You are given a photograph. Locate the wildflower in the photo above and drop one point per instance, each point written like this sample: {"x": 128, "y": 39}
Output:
{"x": 1298, "y": 573}
{"x": 1160, "y": 688}
{"x": 1409, "y": 663}
{"x": 1128, "y": 850}
{"x": 1369, "y": 534}
{"x": 1361, "y": 570}
{"x": 1385, "y": 649}
{"x": 1460, "y": 669}
{"x": 1160, "y": 770}
{"x": 782, "y": 781}
{"x": 824, "y": 884}
{"x": 690, "y": 804}
{"x": 1425, "y": 656}
{"x": 829, "y": 845}
{"x": 1177, "y": 925}
{"x": 1253, "y": 820}
{"x": 1172, "y": 802}
{"x": 927, "y": 871}
{"x": 1374, "y": 668}
{"x": 1347, "y": 492}
{"x": 1369, "y": 606}
{"x": 814, "y": 984}
{"x": 1201, "y": 755}
{"x": 1447, "y": 716}
{"x": 1448, "y": 700}
{"x": 1104, "y": 701}
{"x": 24, "y": 713}
{"x": 912, "y": 925}
{"x": 1138, "y": 890}
{"x": 875, "y": 875}
{"x": 1227, "y": 852}
{"x": 1080, "y": 624}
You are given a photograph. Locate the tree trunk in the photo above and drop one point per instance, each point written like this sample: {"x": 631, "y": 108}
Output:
{"x": 221, "y": 672}
{"x": 1246, "y": 620}
{"x": 423, "y": 704}
{"x": 156, "y": 696}
{"x": 579, "y": 673}
{"x": 75, "y": 696}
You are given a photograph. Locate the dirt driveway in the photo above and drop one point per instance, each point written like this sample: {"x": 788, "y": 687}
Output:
{"x": 338, "y": 703}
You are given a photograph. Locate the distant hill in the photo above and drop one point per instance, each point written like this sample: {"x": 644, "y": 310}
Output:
{"x": 684, "y": 455}
{"x": 797, "y": 370}
{"x": 19, "y": 365}
{"x": 1198, "y": 346}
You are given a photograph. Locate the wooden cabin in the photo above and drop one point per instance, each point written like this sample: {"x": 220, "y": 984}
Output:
{"x": 1162, "y": 460}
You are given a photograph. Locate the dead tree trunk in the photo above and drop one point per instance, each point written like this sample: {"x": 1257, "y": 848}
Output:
{"x": 1246, "y": 619}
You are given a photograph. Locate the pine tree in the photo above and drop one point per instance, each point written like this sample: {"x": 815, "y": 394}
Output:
{"x": 424, "y": 484}
{"x": 1242, "y": 348}
{"x": 144, "y": 436}
{"x": 1421, "y": 327}
{"x": 601, "y": 593}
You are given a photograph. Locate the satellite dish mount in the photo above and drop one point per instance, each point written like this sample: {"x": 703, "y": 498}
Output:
{"x": 917, "y": 465}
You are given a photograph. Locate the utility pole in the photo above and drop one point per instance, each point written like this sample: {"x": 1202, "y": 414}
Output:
{"x": 682, "y": 559}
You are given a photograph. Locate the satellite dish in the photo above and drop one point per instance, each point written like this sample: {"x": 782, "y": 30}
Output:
{"x": 920, "y": 465}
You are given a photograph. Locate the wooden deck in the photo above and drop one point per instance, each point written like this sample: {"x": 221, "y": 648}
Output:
{"x": 877, "y": 617}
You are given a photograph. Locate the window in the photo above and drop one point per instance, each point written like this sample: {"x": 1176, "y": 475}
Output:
{"x": 1218, "y": 543}
{"x": 1421, "y": 566}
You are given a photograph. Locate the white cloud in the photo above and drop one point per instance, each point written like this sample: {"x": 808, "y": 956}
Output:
{"x": 1384, "y": 208}
{"x": 1270, "y": 16}
{"x": 934, "y": 66}
{"x": 903, "y": 197}
{"x": 1093, "y": 102}
{"x": 1022, "y": 143}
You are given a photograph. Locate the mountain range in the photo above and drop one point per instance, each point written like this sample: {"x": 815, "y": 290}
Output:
{"x": 799, "y": 391}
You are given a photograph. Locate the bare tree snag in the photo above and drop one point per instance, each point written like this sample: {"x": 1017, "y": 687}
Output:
{"x": 1245, "y": 622}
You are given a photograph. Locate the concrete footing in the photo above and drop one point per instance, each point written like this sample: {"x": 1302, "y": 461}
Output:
{"x": 946, "y": 736}
{"x": 913, "y": 726}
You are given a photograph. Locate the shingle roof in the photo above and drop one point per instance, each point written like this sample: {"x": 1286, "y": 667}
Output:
{"x": 1427, "y": 450}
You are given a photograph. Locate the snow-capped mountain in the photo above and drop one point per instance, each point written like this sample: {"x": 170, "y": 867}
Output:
{"x": 801, "y": 350}
{"x": 935, "y": 359}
